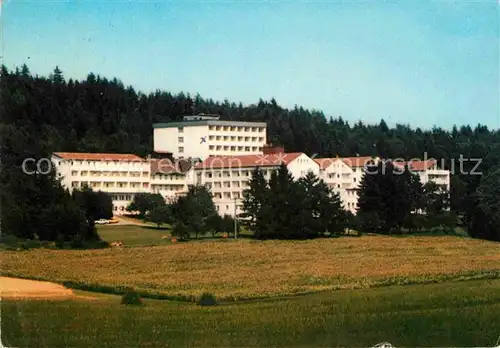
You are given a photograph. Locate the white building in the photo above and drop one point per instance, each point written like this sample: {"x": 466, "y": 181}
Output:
{"x": 202, "y": 136}
{"x": 120, "y": 175}
{"x": 344, "y": 175}
{"x": 428, "y": 171}
{"x": 227, "y": 176}
{"x": 170, "y": 178}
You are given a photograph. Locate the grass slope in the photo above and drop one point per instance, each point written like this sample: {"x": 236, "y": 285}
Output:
{"x": 246, "y": 269}
{"x": 439, "y": 315}
{"x": 133, "y": 235}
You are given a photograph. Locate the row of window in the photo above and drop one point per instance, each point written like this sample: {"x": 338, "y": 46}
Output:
{"x": 228, "y": 137}
{"x": 234, "y": 148}
{"x": 98, "y": 184}
{"x": 122, "y": 197}
{"x": 238, "y": 206}
{"x": 227, "y": 184}
{"x": 227, "y": 195}
{"x": 172, "y": 177}
{"x": 107, "y": 173}
{"x": 157, "y": 188}
{"x": 228, "y": 148}
{"x": 136, "y": 164}
{"x": 231, "y": 129}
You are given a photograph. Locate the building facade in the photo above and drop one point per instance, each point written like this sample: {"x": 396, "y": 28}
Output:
{"x": 203, "y": 136}
{"x": 120, "y": 175}
{"x": 227, "y": 177}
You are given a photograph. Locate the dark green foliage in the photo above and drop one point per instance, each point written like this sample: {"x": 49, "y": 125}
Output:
{"x": 288, "y": 209}
{"x": 485, "y": 221}
{"x": 41, "y": 115}
{"x": 207, "y": 299}
{"x": 160, "y": 215}
{"x": 145, "y": 202}
{"x": 95, "y": 205}
{"x": 131, "y": 297}
{"x": 195, "y": 212}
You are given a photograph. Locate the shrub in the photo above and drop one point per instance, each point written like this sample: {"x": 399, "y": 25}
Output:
{"x": 30, "y": 244}
{"x": 76, "y": 242}
{"x": 207, "y": 299}
{"x": 131, "y": 297}
{"x": 60, "y": 241}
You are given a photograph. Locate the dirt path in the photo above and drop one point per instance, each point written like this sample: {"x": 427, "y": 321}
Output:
{"x": 14, "y": 288}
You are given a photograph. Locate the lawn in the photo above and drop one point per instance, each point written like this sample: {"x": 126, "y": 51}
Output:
{"x": 452, "y": 314}
{"x": 134, "y": 235}
{"x": 246, "y": 269}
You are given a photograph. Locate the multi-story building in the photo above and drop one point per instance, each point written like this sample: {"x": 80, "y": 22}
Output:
{"x": 170, "y": 178}
{"x": 226, "y": 177}
{"x": 203, "y": 136}
{"x": 120, "y": 175}
{"x": 428, "y": 171}
{"x": 344, "y": 175}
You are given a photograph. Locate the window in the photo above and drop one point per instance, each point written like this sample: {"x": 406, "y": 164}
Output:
{"x": 233, "y": 148}
{"x": 181, "y": 149}
{"x": 226, "y": 137}
{"x": 211, "y": 137}
{"x": 74, "y": 184}
{"x": 354, "y": 179}
{"x": 210, "y": 147}
{"x": 74, "y": 172}
{"x": 217, "y": 207}
{"x": 240, "y": 138}
{"x": 211, "y": 127}
{"x": 181, "y": 139}
{"x": 247, "y": 138}
{"x": 240, "y": 148}
{"x": 254, "y": 138}
{"x": 218, "y": 147}
{"x": 261, "y": 139}
{"x": 233, "y": 138}
{"x": 180, "y": 129}
{"x": 226, "y": 148}
{"x": 227, "y": 207}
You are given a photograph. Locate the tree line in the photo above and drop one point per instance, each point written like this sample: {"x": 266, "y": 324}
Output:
{"x": 43, "y": 114}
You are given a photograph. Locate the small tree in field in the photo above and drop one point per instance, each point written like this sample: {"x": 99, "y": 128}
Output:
{"x": 145, "y": 202}
{"x": 159, "y": 215}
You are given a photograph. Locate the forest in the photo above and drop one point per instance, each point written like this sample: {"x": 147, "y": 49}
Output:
{"x": 42, "y": 114}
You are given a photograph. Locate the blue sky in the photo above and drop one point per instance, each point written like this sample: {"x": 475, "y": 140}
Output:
{"x": 418, "y": 63}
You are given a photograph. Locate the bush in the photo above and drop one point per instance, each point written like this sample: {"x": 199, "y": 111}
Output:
{"x": 131, "y": 297}
{"x": 207, "y": 299}
{"x": 60, "y": 241}
{"x": 76, "y": 242}
{"x": 30, "y": 244}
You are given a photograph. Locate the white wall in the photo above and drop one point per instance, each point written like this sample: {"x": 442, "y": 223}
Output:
{"x": 167, "y": 140}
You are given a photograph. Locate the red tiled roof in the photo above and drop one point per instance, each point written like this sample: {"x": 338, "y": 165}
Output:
{"x": 324, "y": 162}
{"x": 88, "y": 156}
{"x": 167, "y": 166}
{"x": 417, "y": 166}
{"x": 270, "y": 160}
{"x": 355, "y": 162}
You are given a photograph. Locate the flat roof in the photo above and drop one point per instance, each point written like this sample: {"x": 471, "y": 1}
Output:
{"x": 209, "y": 123}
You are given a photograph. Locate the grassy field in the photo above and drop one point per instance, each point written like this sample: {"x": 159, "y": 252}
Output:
{"x": 133, "y": 235}
{"x": 246, "y": 269}
{"x": 451, "y": 314}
